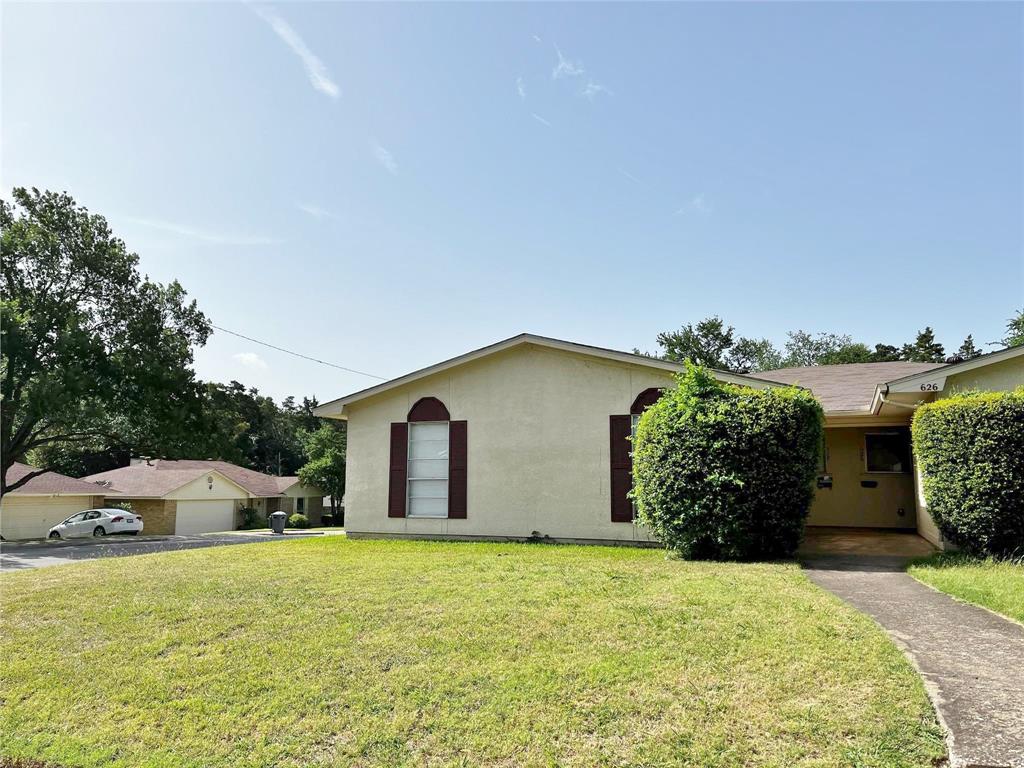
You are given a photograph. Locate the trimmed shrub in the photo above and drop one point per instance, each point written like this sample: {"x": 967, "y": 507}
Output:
{"x": 970, "y": 450}
{"x": 726, "y": 472}
{"x": 298, "y": 520}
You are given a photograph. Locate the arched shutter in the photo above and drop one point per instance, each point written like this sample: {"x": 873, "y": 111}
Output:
{"x": 622, "y": 468}
{"x": 399, "y": 469}
{"x": 457, "y": 459}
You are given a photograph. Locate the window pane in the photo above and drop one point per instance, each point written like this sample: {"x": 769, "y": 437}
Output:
{"x": 428, "y": 489}
{"x": 428, "y": 449}
{"x": 428, "y": 431}
{"x": 428, "y": 468}
{"x": 888, "y": 452}
{"x": 428, "y": 507}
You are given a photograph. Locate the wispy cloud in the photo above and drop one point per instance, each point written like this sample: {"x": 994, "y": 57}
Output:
{"x": 521, "y": 88}
{"x": 537, "y": 38}
{"x": 385, "y": 158}
{"x": 206, "y": 237}
{"x": 250, "y": 360}
{"x": 629, "y": 175}
{"x": 540, "y": 119}
{"x": 566, "y": 68}
{"x": 592, "y": 89}
{"x": 315, "y": 211}
{"x": 699, "y": 204}
{"x": 316, "y": 71}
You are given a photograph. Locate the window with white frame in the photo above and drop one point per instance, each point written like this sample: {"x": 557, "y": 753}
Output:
{"x": 428, "y": 469}
{"x": 300, "y": 505}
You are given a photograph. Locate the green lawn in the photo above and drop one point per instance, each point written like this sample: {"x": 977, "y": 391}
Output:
{"x": 995, "y": 584}
{"x": 324, "y": 651}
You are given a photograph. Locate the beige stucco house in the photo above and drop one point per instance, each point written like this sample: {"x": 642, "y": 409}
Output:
{"x": 194, "y": 496}
{"x": 529, "y": 437}
{"x": 30, "y": 511}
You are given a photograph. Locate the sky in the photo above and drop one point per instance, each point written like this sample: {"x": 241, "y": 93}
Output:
{"x": 384, "y": 186}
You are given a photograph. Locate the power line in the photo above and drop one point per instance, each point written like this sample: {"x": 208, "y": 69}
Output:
{"x": 296, "y": 354}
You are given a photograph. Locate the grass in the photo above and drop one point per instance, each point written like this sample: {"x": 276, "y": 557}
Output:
{"x": 995, "y": 584}
{"x": 329, "y": 652}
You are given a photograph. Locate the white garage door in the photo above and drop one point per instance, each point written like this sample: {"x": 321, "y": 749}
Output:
{"x": 30, "y": 517}
{"x": 205, "y": 516}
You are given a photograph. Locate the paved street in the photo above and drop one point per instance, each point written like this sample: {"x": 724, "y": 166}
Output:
{"x": 17, "y": 556}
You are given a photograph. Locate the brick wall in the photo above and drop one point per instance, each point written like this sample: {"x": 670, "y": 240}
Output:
{"x": 158, "y": 515}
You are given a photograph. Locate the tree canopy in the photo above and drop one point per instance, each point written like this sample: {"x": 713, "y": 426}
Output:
{"x": 93, "y": 353}
{"x": 714, "y": 344}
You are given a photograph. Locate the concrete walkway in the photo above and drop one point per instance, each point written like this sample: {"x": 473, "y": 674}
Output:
{"x": 971, "y": 660}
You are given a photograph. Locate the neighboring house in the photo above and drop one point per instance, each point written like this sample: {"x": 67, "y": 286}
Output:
{"x": 30, "y": 511}
{"x": 530, "y": 437}
{"x": 194, "y": 496}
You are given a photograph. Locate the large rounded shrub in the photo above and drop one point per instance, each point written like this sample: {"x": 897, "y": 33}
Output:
{"x": 970, "y": 451}
{"x": 727, "y": 472}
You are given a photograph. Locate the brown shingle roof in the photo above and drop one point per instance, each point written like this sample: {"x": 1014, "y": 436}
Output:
{"x": 161, "y": 476}
{"x": 50, "y": 483}
{"x": 847, "y": 387}
{"x": 286, "y": 482}
{"x": 256, "y": 483}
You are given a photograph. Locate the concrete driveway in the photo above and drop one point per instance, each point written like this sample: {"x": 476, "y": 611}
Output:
{"x": 23, "y": 555}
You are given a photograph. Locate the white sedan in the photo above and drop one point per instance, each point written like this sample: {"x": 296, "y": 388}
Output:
{"x": 97, "y": 522}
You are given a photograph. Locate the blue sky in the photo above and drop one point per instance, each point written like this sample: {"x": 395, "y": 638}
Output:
{"x": 385, "y": 186}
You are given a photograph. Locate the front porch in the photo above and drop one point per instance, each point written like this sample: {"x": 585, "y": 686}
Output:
{"x": 870, "y": 542}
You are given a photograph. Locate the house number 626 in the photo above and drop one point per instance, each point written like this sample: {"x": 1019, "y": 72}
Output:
{"x": 929, "y": 387}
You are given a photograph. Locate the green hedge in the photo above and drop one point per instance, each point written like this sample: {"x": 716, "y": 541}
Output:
{"x": 970, "y": 450}
{"x": 298, "y": 520}
{"x": 727, "y": 472}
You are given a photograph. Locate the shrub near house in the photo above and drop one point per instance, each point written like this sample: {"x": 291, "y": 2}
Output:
{"x": 725, "y": 472}
{"x": 970, "y": 448}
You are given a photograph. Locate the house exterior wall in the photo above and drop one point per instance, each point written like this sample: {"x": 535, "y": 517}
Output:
{"x": 538, "y": 446}
{"x": 1004, "y": 376}
{"x": 201, "y": 490}
{"x": 847, "y": 503}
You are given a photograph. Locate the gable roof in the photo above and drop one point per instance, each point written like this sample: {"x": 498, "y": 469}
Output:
{"x": 159, "y": 477}
{"x": 335, "y": 408}
{"x": 913, "y": 382}
{"x": 999, "y": 356}
{"x": 49, "y": 483}
{"x": 849, "y": 387}
{"x": 256, "y": 483}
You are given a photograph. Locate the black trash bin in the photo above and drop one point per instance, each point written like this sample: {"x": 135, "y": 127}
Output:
{"x": 277, "y": 521}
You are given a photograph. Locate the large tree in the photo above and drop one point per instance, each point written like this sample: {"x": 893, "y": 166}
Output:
{"x": 93, "y": 354}
{"x": 925, "y": 349}
{"x": 1014, "y": 330}
{"x": 325, "y": 469}
{"x": 705, "y": 343}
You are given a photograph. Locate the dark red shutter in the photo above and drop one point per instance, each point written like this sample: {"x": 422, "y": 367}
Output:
{"x": 458, "y": 449}
{"x": 622, "y": 468}
{"x": 399, "y": 469}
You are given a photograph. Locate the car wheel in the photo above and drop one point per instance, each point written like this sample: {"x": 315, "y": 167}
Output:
{"x": 133, "y": 533}
{"x": 98, "y": 531}
{"x": 54, "y": 535}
